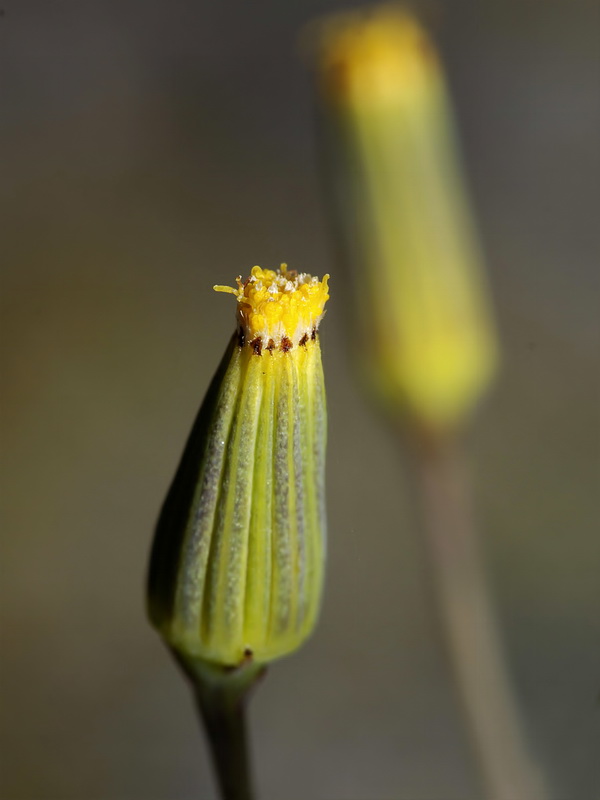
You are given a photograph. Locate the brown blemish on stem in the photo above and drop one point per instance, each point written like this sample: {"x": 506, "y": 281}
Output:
{"x": 303, "y": 340}
{"x": 286, "y": 345}
{"x": 271, "y": 346}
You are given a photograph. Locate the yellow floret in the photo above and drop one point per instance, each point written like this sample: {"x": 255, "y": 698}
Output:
{"x": 375, "y": 57}
{"x": 277, "y": 304}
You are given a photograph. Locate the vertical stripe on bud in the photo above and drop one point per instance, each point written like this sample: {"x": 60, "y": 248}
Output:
{"x": 427, "y": 334}
{"x": 238, "y": 557}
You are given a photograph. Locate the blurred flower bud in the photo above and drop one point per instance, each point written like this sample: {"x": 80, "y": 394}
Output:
{"x": 237, "y": 563}
{"x": 403, "y": 219}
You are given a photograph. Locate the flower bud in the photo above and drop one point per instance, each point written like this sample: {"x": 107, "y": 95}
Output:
{"x": 237, "y": 564}
{"x": 427, "y": 336}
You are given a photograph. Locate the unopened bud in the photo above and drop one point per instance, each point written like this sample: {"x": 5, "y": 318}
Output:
{"x": 237, "y": 565}
{"x": 426, "y": 333}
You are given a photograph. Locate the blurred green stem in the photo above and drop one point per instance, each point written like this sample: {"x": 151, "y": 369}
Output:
{"x": 221, "y": 695}
{"x": 467, "y": 621}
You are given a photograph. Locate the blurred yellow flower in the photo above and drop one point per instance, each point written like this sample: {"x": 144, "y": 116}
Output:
{"x": 427, "y": 335}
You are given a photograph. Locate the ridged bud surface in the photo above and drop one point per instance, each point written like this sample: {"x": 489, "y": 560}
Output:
{"x": 237, "y": 564}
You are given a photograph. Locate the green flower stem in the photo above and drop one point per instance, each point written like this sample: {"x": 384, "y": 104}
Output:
{"x": 221, "y": 694}
{"x": 468, "y": 624}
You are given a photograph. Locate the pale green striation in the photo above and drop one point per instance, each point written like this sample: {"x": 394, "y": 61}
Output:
{"x": 237, "y": 564}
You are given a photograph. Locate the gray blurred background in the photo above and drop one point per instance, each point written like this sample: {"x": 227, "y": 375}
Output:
{"x": 151, "y": 149}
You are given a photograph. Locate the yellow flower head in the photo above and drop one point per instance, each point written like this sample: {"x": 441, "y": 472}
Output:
{"x": 427, "y": 334}
{"x": 279, "y": 307}
{"x": 238, "y": 559}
